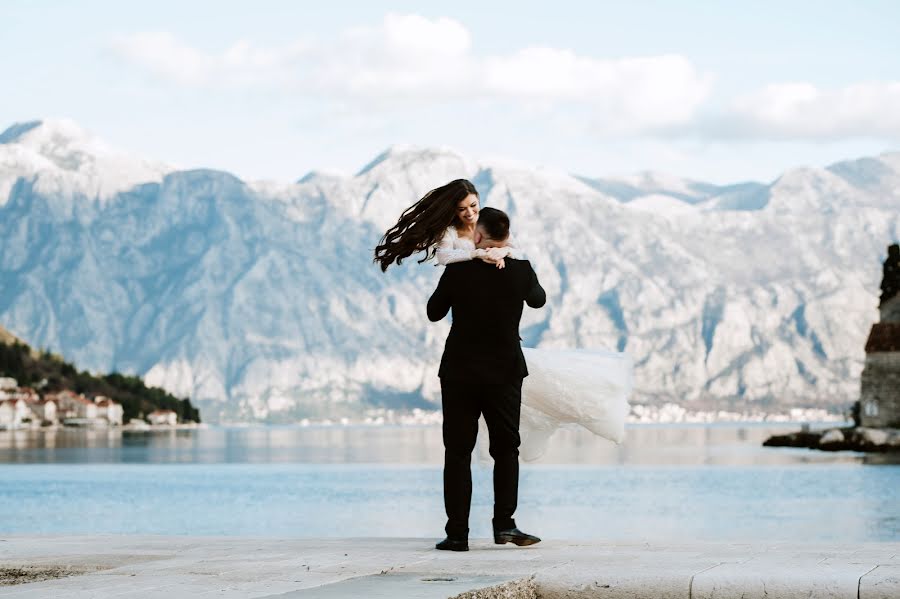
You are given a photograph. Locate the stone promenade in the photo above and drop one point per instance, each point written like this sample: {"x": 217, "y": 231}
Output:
{"x": 173, "y": 567}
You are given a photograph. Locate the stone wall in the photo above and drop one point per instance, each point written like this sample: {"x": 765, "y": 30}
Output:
{"x": 880, "y": 390}
{"x": 890, "y": 310}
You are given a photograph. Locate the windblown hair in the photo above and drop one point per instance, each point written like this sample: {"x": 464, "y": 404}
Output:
{"x": 422, "y": 225}
{"x": 494, "y": 223}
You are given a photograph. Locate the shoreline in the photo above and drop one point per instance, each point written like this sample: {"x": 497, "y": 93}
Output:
{"x": 94, "y": 427}
{"x": 640, "y": 414}
{"x": 817, "y": 424}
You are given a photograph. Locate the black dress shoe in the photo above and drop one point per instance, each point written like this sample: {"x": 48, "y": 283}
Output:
{"x": 449, "y": 544}
{"x": 514, "y": 535}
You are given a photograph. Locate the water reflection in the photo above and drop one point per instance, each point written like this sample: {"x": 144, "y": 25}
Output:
{"x": 695, "y": 445}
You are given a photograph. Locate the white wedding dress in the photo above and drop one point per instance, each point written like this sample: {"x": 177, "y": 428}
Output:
{"x": 586, "y": 387}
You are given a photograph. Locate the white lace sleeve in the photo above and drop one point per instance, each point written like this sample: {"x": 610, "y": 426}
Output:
{"x": 446, "y": 252}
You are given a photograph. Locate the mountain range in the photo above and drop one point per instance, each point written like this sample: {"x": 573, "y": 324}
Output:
{"x": 260, "y": 300}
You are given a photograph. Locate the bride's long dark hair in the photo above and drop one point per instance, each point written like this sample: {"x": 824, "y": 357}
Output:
{"x": 421, "y": 225}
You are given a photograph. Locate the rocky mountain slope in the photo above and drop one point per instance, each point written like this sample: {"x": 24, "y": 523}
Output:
{"x": 260, "y": 300}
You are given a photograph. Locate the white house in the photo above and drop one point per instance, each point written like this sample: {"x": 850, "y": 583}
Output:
{"x": 13, "y": 412}
{"x": 71, "y": 405}
{"x": 163, "y": 417}
{"x": 63, "y": 403}
{"x": 85, "y": 408}
{"x": 8, "y": 388}
{"x": 27, "y": 394}
{"x": 109, "y": 409}
{"x": 44, "y": 409}
{"x": 7, "y": 413}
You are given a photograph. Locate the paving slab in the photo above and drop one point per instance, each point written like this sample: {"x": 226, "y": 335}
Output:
{"x": 416, "y": 586}
{"x": 132, "y": 567}
{"x": 882, "y": 582}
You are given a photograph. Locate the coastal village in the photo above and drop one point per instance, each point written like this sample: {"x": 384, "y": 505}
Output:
{"x": 24, "y": 407}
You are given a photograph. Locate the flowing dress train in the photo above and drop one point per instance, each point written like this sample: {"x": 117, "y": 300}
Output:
{"x": 584, "y": 387}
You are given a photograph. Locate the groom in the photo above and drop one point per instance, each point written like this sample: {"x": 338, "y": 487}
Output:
{"x": 481, "y": 373}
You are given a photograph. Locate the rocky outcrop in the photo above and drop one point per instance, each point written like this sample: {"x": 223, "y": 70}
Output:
{"x": 858, "y": 438}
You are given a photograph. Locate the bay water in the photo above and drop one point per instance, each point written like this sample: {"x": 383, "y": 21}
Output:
{"x": 665, "y": 482}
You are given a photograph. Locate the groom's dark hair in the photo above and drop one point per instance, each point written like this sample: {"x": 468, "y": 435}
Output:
{"x": 494, "y": 222}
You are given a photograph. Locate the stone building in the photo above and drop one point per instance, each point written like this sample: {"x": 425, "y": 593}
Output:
{"x": 880, "y": 385}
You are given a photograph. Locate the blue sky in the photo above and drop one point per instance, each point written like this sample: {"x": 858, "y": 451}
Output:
{"x": 711, "y": 90}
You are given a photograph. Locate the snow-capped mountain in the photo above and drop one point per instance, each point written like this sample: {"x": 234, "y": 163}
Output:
{"x": 62, "y": 160}
{"x": 260, "y": 299}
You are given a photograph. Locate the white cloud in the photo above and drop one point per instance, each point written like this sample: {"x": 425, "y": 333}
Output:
{"x": 626, "y": 94}
{"x": 410, "y": 59}
{"x": 406, "y": 55}
{"x": 164, "y": 55}
{"x": 804, "y": 111}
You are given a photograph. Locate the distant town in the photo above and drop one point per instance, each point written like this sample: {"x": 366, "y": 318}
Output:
{"x": 668, "y": 413}
{"x": 24, "y": 407}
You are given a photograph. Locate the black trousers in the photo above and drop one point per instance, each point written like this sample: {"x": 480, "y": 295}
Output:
{"x": 462, "y": 403}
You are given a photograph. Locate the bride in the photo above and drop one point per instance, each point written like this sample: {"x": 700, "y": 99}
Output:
{"x": 587, "y": 387}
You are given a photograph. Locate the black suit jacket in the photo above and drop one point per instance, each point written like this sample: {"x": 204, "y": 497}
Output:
{"x": 484, "y": 344}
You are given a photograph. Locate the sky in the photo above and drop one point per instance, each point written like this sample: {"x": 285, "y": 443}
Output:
{"x": 716, "y": 91}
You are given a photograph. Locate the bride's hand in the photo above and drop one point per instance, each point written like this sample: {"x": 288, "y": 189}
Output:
{"x": 492, "y": 256}
{"x": 497, "y": 254}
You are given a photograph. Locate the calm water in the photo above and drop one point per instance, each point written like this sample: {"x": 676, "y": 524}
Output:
{"x": 665, "y": 482}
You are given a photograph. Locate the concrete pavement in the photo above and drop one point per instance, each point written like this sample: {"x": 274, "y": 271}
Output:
{"x": 101, "y": 566}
